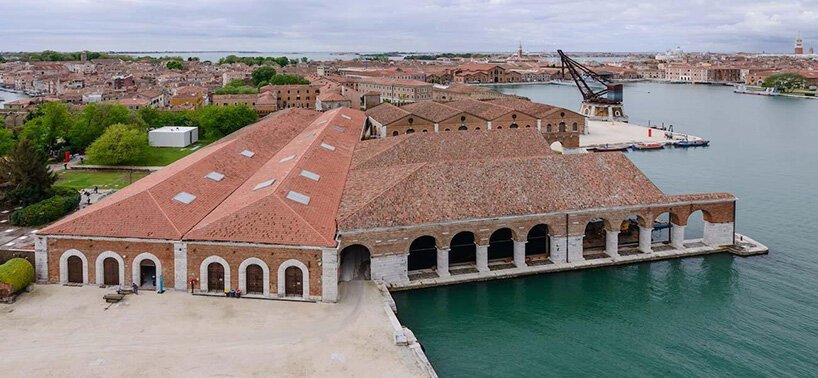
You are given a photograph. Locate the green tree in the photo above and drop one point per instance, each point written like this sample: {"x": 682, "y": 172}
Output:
{"x": 174, "y": 65}
{"x": 287, "y": 80}
{"x": 6, "y": 141}
{"x": 119, "y": 144}
{"x": 282, "y": 61}
{"x": 304, "y": 59}
{"x": 48, "y": 130}
{"x": 24, "y": 175}
{"x": 263, "y": 73}
{"x": 158, "y": 118}
{"x": 95, "y": 118}
{"x": 785, "y": 82}
{"x": 218, "y": 121}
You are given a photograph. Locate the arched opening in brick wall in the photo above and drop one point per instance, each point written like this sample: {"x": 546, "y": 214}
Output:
{"x": 463, "y": 250}
{"x": 355, "y": 262}
{"x": 501, "y": 245}
{"x": 110, "y": 271}
{"x": 629, "y": 232}
{"x": 422, "y": 253}
{"x": 593, "y": 243}
{"x": 538, "y": 245}
{"x": 75, "y": 270}
{"x": 695, "y": 225}
{"x": 661, "y": 228}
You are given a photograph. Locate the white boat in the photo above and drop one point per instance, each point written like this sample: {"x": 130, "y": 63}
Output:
{"x": 741, "y": 88}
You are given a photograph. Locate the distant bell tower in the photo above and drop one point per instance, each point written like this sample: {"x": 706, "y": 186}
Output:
{"x": 799, "y": 45}
{"x": 520, "y": 50}
{"x": 84, "y": 56}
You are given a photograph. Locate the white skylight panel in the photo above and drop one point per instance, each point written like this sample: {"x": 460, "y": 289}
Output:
{"x": 286, "y": 159}
{"x": 339, "y": 129}
{"x": 310, "y": 175}
{"x": 345, "y": 116}
{"x": 215, "y": 176}
{"x": 247, "y": 153}
{"x": 264, "y": 184}
{"x": 328, "y": 146}
{"x": 184, "y": 197}
{"x": 298, "y": 197}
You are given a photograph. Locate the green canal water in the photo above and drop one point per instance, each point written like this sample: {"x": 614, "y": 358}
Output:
{"x": 709, "y": 316}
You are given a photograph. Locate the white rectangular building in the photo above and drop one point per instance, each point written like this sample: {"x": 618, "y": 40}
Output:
{"x": 173, "y": 136}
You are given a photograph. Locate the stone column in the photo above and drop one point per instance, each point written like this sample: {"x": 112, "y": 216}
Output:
{"x": 519, "y": 254}
{"x": 612, "y": 243}
{"x": 180, "y": 266}
{"x": 443, "y": 262}
{"x": 41, "y": 259}
{"x": 677, "y": 236}
{"x": 575, "y": 248}
{"x": 329, "y": 275}
{"x": 482, "y": 258}
{"x": 392, "y": 269}
{"x": 559, "y": 249}
{"x": 645, "y": 239}
{"x": 716, "y": 234}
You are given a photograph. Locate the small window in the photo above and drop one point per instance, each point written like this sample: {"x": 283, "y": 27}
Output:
{"x": 548, "y": 128}
{"x": 411, "y": 120}
{"x": 298, "y": 197}
{"x": 264, "y": 184}
{"x": 410, "y": 131}
{"x": 562, "y": 114}
{"x": 310, "y": 175}
{"x": 215, "y": 176}
{"x": 462, "y": 118}
{"x": 248, "y": 153}
{"x": 184, "y": 197}
{"x": 395, "y": 133}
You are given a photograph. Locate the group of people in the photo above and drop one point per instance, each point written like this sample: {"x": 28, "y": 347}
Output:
{"x": 87, "y": 194}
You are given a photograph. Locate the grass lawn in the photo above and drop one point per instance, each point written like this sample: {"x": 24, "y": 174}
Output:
{"x": 162, "y": 156}
{"x": 83, "y": 179}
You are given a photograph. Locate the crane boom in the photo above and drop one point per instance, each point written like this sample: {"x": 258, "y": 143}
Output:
{"x": 609, "y": 94}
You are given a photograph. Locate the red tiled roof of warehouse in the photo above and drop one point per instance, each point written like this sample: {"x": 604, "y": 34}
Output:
{"x": 422, "y": 192}
{"x": 396, "y": 82}
{"x": 433, "y": 111}
{"x": 524, "y": 106}
{"x": 386, "y": 113}
{"x": 331, "y": 96}
{"x": 226, "y": 209}
{"x": 482, "y": 109}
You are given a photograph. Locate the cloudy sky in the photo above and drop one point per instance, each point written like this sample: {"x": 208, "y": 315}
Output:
{"x": 442, "y": 25}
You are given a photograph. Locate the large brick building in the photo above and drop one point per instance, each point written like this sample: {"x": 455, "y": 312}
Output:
{"x": 297, "y": 202}
{"x": 555, "y": 123}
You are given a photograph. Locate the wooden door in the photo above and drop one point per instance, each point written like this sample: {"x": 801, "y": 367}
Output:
{"x": 293, "y": 282}
{"x": 74, "y": 269}
{"x": 110, "y": 269}
{"x": 215, "y": 277}
{"x": 255, "y": 279}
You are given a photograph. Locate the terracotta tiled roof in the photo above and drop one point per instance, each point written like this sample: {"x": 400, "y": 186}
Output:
{"x": 422, "y": 191}
{"x": 386, "y": 113}
{"x": 531, "y": 108}
{"x": 482, "y": 109}
{"x": 433, "y": 111}
{"x": 232, "y": 209}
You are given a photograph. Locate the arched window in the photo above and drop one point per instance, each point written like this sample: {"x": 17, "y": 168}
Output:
{"x": 499, "y": 127}
{"x": 513, "y": 116}
{"x": 548, "y": 128}
{"x": 527, "y": 126}
{"x": 411, "y": 120}
{"x": 395, "y": 133}
{"x": 562, "y": 127}
{"x": 562, "y": 114}
{"x": 574, "y": 127}
{"x": 447, "y": 130}
{"x": 425, "y": 131}
{"x": 513, "y": 126}
{"x": 477, "y": 128}
{"x": 462, "y": 128}
{"x": 410, "y": 131}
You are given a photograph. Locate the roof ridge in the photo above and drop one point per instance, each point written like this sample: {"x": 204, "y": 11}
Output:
{"x": 418, "y": 166}
{"x": 161, "y": 210}
{"x": 400, "y": 141}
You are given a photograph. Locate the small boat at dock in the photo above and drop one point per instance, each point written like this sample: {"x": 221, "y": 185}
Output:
{"x": 692, "y": 143}
{"x": 648, "y": 146}
{"x": 610, "y": 147}
{"x": 742, "y": 89}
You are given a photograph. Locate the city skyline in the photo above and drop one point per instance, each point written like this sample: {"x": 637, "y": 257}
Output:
{"x": 256, "y": 25}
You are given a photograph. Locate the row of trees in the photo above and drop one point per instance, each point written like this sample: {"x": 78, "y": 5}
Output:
{"x": 281, "y": 61}
{"x": 785, "y": 82}
{"x": 264, "y": 75}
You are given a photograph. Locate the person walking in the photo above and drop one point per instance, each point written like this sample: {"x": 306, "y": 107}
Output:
{"x": 135, "y": 288}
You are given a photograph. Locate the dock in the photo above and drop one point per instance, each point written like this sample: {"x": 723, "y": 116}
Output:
{"x": 601, "y": 133}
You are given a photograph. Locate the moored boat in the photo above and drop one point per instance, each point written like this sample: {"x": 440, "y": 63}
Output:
{"x": 610, "y": 147}
{"x": 648, "y": 146}
{"x": 692, "y": 143}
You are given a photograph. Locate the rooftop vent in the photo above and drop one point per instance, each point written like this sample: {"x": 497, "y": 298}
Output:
{"x": 184, "y": 197}
{"x": 247, "y": 153}
{"x": 215, "y": 176}
{"x": 346, "y": 116}
{"x": 298, "y": 197}
{"x": 286, "y": 159}
{"x": 264, "y": 184}
{"x": 339, "y": 129}
{"x": 328, "y": 146}
{"x": 310, "y": 175}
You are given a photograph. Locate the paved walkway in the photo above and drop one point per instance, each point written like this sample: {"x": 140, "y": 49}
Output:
{"x": 70, "y": 331}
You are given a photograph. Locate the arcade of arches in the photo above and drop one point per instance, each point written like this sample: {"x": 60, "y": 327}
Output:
{"x": 557, "y": 239}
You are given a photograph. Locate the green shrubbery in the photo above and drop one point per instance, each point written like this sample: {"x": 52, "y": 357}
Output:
{"x": 18, "y": 273}
{"x": 64, "y": 201}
